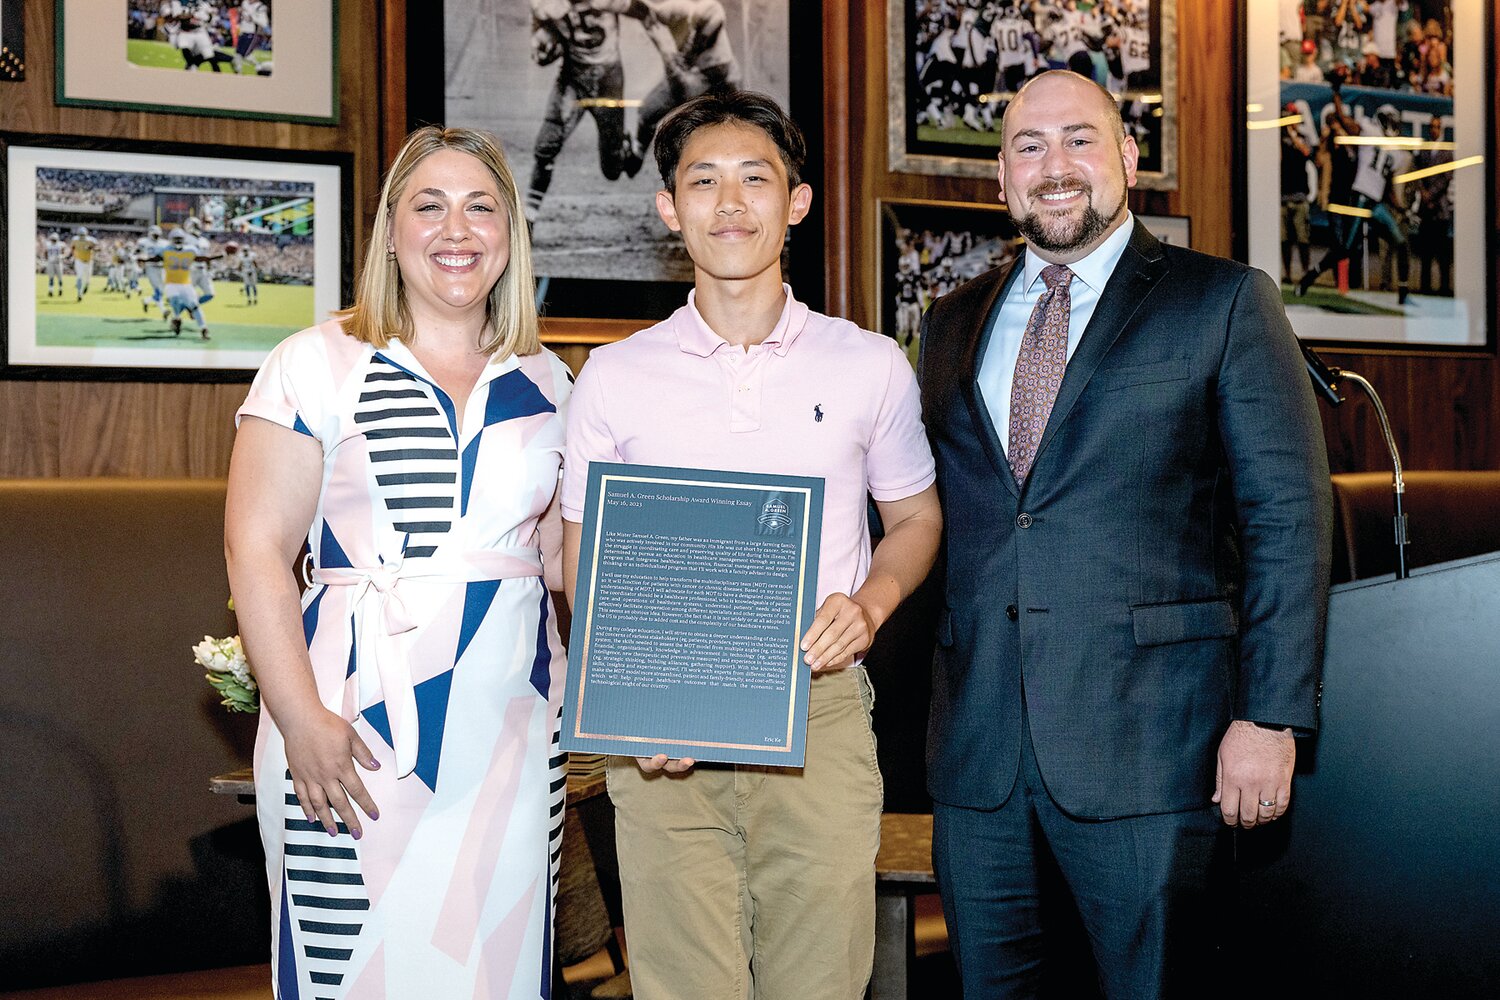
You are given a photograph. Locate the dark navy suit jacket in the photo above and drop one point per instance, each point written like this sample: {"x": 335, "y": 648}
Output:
{"x": 1165, "y": 568}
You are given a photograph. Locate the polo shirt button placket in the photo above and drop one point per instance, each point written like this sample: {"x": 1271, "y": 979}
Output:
{"x": 745, "y": 396}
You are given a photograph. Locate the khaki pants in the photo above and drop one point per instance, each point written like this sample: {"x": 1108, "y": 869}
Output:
{"x": 756, "y": 883}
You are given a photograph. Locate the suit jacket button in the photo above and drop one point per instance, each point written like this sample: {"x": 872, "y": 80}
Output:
{"x": 1012, "y": 613}
{"x": 1023, "y": 520}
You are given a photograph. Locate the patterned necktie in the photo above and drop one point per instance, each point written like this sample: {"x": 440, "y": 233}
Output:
{"x": 1039, "y": 369}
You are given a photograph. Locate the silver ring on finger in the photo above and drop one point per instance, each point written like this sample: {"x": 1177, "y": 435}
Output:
{"x": 1268, "y": 805}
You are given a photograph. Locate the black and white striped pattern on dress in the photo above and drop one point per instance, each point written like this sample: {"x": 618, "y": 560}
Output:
{"x": 325, "y": 895}
{"x": 557, "y": 801}
{"x": 414, "y": 446}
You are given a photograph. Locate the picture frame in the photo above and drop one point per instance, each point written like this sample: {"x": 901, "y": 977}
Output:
{"x": 257, "y": 240}
{"x": 645, "y": 276}
{"x": 1176, "y": 230}
{"x": 126, "y": 55}
{"x": 944, "y": 117}
{"x": 1380, "y": 238}
{"x": 927, "y": 248}
{"x": 12, "y": 40}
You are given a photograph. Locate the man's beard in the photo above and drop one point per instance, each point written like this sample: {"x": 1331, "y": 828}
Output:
{"x": 1076, "y": 235}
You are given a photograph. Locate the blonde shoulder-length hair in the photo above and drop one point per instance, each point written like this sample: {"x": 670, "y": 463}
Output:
{"x": 380, "y": 314}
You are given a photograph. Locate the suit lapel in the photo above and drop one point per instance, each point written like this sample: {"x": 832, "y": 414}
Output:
{"x": 1141, "y": 266}
{"x": 969, "y": 372}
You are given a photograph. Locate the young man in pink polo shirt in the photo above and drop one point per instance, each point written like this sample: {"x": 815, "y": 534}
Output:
{"x": 738, "y": 880}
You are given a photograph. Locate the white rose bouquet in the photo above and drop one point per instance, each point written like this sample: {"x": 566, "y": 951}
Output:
{"x": 229, "y": 671}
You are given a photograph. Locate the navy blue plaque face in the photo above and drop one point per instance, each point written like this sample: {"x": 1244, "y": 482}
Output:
{"x": 694, "y": 589}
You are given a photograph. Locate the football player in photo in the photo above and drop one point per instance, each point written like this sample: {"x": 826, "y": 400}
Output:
{"x": 583, "y": 38}
{"x": 53, "y": 252}
{"x": 696, "y": 59}
{"x": 84, "y": 247}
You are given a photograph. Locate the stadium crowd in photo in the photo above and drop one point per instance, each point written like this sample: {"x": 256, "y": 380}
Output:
{"x": 110, "y": 244}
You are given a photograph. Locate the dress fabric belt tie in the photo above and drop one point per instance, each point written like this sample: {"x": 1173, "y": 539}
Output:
{"x": 380, "y": 615}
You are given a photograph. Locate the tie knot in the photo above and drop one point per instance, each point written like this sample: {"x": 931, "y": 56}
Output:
{"x": 1056, "y": 274}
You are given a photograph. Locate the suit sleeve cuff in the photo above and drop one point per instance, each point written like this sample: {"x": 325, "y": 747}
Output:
{"x": 1297, "y": 731}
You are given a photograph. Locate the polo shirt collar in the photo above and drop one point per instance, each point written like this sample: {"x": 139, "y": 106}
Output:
{"x": 1093, "y": 270}
{"x": 694, "y": 336}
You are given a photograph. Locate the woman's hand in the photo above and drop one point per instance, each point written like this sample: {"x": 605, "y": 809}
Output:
{"x": 321, "y": 751}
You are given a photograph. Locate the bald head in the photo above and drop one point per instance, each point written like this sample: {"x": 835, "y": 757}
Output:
{"x": 1089, "y": 97}
{"x": 1065, "y": 165}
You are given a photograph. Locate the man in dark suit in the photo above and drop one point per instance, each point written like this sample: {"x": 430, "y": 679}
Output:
{"x": 1138, "y": 521}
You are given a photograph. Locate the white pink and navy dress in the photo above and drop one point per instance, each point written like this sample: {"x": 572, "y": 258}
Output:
{"x": 430, "y": 628}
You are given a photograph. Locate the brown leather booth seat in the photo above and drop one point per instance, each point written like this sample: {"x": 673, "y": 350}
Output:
{"x": 1451, "y": 515}
{"x": 116, "y": 858}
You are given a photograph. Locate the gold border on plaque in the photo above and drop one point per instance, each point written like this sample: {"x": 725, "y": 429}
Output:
{"x": 588, "y": 631}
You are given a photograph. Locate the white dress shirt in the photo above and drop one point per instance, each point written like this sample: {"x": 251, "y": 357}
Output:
{"x": 997, "y": 369}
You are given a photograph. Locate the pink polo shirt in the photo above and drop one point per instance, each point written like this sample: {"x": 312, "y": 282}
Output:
{"x": 819, "y": 397}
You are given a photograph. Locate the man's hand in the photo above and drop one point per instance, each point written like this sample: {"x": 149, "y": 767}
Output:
{"x": 841, "y": 630}
{"x": 661, "y": 762}
{"x": 845, "y": 625}
{"x": 1254, "y": 768}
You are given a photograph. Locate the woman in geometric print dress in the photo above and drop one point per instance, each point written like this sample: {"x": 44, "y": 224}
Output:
{"x": 408, "y": 783}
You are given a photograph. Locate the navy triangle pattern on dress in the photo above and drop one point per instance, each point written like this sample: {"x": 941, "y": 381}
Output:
{"x": 509, "y": 396}
{"x": 310, "y": 616}
{"x": 541, "y": 665}
{"x": 478, "y": 596}
{"x": 379, "y": 721}
{"x": 330, "y": 552}
{"x": 514, "y": 395}
{"x": 432, "y": 716}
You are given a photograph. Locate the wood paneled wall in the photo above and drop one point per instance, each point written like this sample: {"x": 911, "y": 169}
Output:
{"x": 1446, "y": 409}
{"x": 163, "y": 429}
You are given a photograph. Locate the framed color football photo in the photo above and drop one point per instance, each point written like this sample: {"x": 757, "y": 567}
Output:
{"x": 121, "y": 261}
{"x": 272, "y": 59}
{"x": 1368, "y": 175}
{"x": 953, "y": 67}
{"x": 929, "y": 248}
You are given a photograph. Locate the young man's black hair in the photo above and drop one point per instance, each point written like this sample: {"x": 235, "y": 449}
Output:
{"x": 745, "y": 107}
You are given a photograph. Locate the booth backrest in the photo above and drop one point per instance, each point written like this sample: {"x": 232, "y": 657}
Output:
{"x": 1451, "y": 515}
{"x": 116, "y": 858}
